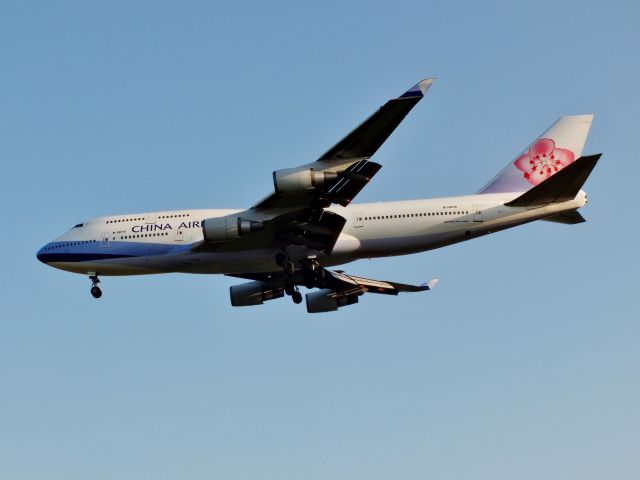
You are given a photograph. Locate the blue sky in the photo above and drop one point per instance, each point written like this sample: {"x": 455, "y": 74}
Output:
{"x": 522, "y": 364}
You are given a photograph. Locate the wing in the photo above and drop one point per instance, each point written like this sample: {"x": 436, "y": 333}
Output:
{"x": 295, "y": 213}
{"x": 340, "y": 283}
{"x": 346, "y": 285}
{"x": 367, "y": 138}
{"x": 337, "y": 289}
{"x": 342, "y": 290}
{"x": 345, "y": 168}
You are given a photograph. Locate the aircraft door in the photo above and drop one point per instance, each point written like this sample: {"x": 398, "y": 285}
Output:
{"x": 358, "y": 220}
{"x": 179, "y": 235}
{"x": 104, "y": 239}
{"x": 477, "y": 213}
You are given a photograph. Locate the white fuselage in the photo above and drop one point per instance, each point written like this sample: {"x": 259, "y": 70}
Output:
{"x": 161, "y": 242}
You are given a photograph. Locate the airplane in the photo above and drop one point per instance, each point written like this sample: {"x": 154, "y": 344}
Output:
{"x": 290, "y": 238}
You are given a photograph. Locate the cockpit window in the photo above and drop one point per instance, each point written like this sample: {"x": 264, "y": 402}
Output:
{"x": 78, "y": 225}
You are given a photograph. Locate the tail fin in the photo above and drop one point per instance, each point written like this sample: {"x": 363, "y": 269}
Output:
{"x": 556, "y": 148}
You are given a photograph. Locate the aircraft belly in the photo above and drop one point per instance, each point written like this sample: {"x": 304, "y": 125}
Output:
{"x": 257, "y": 261}
{"x": 381, "y": 243}
{"x": 248, "y": 261}
{"x": 106, "y": 267}
{"x": 382, "y": 247}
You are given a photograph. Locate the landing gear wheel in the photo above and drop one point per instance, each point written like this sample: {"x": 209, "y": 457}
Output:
{"x": 96, "y": 292}
{"x": 296, "y": 297}
{"x": 289, "y": 289}
{"x": 289, "y": 267}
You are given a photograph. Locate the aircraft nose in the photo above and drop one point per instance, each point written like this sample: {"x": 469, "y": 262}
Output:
{"x": 41, "y": 255}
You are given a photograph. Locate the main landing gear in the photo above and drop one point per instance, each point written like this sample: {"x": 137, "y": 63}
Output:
{"x": 95, "y": 289}
{"x": 291, "y": 289}
{"x": 312, "y": 273}
{"x": 296, "y": 297}
{"x": 283, "y": 260}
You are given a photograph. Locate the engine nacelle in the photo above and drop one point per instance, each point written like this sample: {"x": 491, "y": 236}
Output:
{"x": 253, "y": 293}
{"x": 321, "y": 301}
{"x": 231, "y": 227}
{"x": 295, "y": 180}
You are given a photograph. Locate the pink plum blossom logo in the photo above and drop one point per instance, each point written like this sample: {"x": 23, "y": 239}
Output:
{"x": 542, "y": 160}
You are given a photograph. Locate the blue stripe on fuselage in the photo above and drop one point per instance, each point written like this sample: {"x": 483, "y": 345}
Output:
{"x": 90, "y": 251}
{"x": 77, "y": 257}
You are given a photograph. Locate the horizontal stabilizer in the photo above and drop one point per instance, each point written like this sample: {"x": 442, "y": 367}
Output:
{"x": 569, "y": 218}
{"x": 561, "y": 187}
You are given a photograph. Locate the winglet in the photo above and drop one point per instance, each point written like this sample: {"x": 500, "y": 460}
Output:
{"x": 430, "y": 284}
{"x": 419, "y": 89}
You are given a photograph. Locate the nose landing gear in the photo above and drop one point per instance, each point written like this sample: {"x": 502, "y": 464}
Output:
{"x": 95, "y": 290}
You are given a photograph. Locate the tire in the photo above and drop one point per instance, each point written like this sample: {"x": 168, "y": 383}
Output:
{"x": 289, "y": 267}
{"x": 296, "y": 297}
{"x": 96, "y": 292}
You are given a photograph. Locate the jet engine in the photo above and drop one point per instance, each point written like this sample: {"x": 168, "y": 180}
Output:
{"x": 231, "y": 227}
{"x": 291, "y": 180}
{"x": 253, "y": 293}
{"x": 321, "y": 301}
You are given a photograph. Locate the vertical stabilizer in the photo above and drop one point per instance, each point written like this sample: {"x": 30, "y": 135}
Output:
{"x": 555, "y": 149}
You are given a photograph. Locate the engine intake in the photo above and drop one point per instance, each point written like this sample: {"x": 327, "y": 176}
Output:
{"x": 253, "y": 293}
{"x": 319, "y": 302}
{"x": 292, "y": 180}
{"x": 231, "y": 227}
